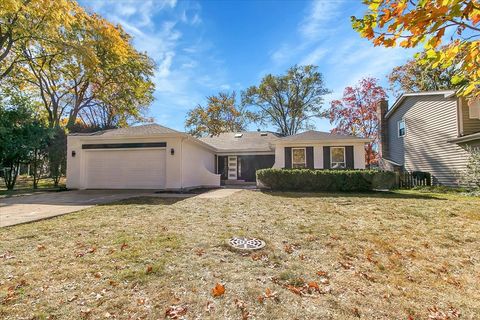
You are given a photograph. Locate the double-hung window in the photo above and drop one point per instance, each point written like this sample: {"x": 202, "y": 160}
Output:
{"x": 337, "y": 158}
{"x": 401, "y": 128}
{"x": 299, "y": 158}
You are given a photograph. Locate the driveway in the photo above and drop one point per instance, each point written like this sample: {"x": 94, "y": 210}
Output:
{"x": 22, "y": 209}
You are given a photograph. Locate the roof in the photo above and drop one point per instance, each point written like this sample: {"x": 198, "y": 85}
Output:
{"x": 398, "y": 102}
{"x": 243, "y": 141}
{"x": 319, "y": 135}
{"x": 142, "y": 130}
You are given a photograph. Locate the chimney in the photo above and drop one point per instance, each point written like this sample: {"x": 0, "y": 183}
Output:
{"x": 383, "y": 148}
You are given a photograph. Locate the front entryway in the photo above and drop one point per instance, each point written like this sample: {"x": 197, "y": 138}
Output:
{"x": 242, "y": 167}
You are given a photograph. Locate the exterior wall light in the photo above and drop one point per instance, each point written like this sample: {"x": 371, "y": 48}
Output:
{"x": 172, "y": 151}
{"x": 74, "y": 153}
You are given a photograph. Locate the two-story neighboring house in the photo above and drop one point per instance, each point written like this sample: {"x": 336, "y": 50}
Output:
{"x": 429, "y": 131}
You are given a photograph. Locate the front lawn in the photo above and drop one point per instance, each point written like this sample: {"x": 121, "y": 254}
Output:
{"x": 24, "y": 185}
{"x": 328, "y": 256}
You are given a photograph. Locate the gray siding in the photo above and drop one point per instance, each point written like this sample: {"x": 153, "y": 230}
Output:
{"x": 468, "y": 125}
{"x": 430, "y": 122}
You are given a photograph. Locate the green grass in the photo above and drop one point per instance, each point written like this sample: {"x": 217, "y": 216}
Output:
{"x": 373, "y": 255}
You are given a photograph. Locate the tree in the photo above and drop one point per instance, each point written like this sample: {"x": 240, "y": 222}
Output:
{"x": 23, "y": 22}
{"x": 290, "y": 101}
{"x": 221, "y": 114}
{"x": 356, "y": 113}
{"x": 412, "y": 23}
{"x": 22, "y": 135}
{"x": 414, "y": 76}
{"x": 98, "y": 69}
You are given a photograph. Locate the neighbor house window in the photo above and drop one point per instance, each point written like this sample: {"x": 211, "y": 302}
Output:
{"x": 401, "y": 128}
{"x": 299, "y": 158}
{"x": 337, "y": 157}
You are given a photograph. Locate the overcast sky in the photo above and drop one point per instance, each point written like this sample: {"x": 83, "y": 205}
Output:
{"x": 203, "y": 47}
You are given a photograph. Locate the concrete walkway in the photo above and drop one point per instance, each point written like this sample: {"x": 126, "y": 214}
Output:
{"x": 219, "y": 193}
{"x": 22, "y": 209}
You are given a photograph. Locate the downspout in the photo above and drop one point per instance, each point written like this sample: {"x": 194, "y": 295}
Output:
{"x": 181, "y": 163}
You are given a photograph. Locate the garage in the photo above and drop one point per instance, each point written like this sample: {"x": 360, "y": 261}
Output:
{"x": 130, "y": 168}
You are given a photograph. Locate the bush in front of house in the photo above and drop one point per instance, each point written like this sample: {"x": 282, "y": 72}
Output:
{"x": 326, "y": 180}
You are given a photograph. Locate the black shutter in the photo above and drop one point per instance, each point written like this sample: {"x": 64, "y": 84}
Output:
{"x": 349, "y": 157}
{"x": 309, "y": 156}
{"x": 288, "y": 157}
{"x": 326, "y": 158}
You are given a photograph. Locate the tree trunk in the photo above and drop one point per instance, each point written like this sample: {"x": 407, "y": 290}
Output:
{"x": 35, "y": 168}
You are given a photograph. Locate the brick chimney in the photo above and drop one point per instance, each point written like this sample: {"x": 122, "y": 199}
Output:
{"x": 383, "y": 148}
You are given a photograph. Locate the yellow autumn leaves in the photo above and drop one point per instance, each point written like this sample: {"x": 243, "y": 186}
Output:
{"x": 449, "y": 30}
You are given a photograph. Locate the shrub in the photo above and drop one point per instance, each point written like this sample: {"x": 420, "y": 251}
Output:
{"x": 325, "y": 180}
{"x": 471, "y": 175}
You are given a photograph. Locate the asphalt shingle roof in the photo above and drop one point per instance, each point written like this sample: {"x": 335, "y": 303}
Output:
{"x": 142, "y": 130}
{"x": 318, "y": 135}
{"x": 255, "y": 141}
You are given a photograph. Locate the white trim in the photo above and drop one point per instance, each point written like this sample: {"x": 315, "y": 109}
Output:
{"x": 445, "y": 93}
{"x": 344, "y": 156}
{"x": 404, "y": 128}
{"x": 305, "y": 157}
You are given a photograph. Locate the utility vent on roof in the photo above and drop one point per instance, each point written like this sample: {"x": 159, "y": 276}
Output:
{"x": 238, "y": 135}
{"x": 263, "y": 134}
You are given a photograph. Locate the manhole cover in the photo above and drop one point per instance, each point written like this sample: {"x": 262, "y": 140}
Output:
{"x": 242, "y": 243}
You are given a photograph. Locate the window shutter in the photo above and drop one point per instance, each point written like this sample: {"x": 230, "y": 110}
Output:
{"x": 288, "y": 157}
{"x": 326, "y": 158}
{"x": 349, "y": 157}
{"x": 309, "y": 155}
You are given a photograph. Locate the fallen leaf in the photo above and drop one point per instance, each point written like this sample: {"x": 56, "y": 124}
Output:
{"x": 40, "y": 247}
{"x": 288, "y": 248}
{"x": 91, "y": 250}
{"x": 210, "y": 307}
{"x": 149, "y": 269}
{"x": 200, "y": 252}
{"x": 218, "y": 290}
{"x": 322, "y": 274}
{"x": 243, "y": 308}
{"x": 313, "y": 285}
{"x": 176, "y": 312}
{"x": 295, "y": 290}
{"x": 356, "y": 313}
{"x": 124, "y": 246}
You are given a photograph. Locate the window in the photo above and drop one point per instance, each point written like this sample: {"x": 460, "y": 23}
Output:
{"x": 299, "y": 158}
{"x": 337, "y": 157}
{"x": 401, "y": 128}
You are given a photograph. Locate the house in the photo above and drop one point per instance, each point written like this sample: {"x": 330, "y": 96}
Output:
{"x": 155, "y": 157}
{"x": 429, "y": 131}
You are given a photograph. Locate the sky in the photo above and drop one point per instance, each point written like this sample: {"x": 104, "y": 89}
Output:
{"x": 204, "y": 47}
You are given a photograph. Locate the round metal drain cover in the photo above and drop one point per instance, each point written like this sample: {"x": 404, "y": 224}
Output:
{"x": 242, "y": 243}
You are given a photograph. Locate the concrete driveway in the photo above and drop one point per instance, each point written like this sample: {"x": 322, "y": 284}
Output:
{"x": 22, "y": 209}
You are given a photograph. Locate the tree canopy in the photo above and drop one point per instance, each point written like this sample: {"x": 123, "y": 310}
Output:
{"x": 415, "y": 76}
{"x": 356, "y": 113}
{"x": 288, "y": 102}
{"x": 76, "y": 63}
{"x": 411, "y": 23}
{"x": 221, "y": 114}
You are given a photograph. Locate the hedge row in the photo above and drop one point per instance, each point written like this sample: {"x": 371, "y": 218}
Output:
{"x": 326, "y": 180}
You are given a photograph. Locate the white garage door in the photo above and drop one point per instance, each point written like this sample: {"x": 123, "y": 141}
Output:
{"x": 125, "y": 169}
